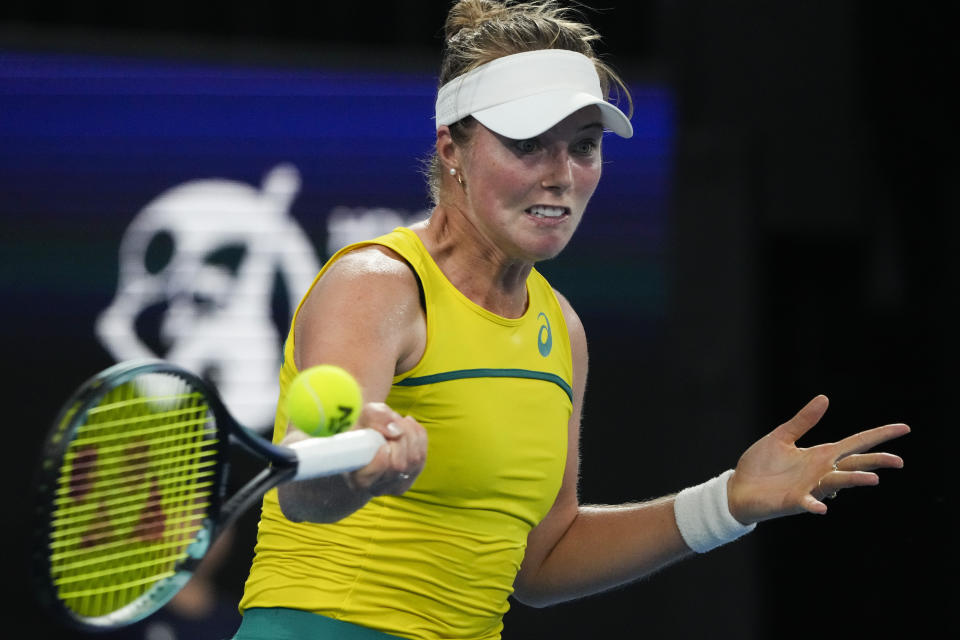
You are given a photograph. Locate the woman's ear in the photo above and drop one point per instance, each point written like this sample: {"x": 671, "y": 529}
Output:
{"x": 447, "y": 151}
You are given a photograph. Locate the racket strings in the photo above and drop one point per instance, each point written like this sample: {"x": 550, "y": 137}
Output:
{"x": 201, "y": 461}
{"x": 140, "y": 411}
{"x": 109, "y": 498}
{"x": 130, "y": 514}
{"x": 118, "y": 528}
{"x": 134, "y": 489}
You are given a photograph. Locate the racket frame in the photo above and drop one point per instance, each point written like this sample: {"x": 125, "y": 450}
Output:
{"x": 282, "y": 466}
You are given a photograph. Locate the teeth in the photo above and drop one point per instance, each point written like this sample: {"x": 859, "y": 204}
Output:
{"x": 547, "y": 212}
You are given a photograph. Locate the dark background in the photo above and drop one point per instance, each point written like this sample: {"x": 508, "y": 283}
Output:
{"x": 811, "y": 219}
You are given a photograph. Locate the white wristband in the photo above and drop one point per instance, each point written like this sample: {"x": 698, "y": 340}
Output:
{"x": 703, "y": 515}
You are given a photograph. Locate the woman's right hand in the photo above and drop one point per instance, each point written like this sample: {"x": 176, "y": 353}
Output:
{"x": 399, "y": 461}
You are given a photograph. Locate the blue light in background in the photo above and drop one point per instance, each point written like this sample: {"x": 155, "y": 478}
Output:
{"x": 86, "y": 141}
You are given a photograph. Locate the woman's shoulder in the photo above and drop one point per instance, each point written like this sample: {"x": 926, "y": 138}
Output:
{"x": 367, "y": 291}
{"x": 373, "y": 267}
{"x": 574, "y": 324}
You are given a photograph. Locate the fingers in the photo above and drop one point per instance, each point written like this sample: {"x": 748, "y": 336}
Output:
{"x": 380, "y": 417}
{"x": 398, "y": 463}
{"x": 408, "y": 448}
{"x": 784, "y": 479}
{"x": 866, "y": 440}
{"x": 854, "y": 471}
{"x": 813, "y": 505}
{"x": 870, "y": 461}
{"x": 793, "y": 429}
{"x": 405, "y": 456}
{"x": 834, "y": 481}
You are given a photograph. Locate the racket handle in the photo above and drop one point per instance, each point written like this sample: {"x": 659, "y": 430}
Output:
{"x": 336, "y": 454}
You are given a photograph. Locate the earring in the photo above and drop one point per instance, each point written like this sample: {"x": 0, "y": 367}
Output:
{"x": 453, "y": 171}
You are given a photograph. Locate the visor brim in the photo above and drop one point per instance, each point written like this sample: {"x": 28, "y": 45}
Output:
{"x": 530, "y": 116}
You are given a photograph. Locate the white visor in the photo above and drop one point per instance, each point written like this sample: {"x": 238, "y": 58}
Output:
{"x": 522, "y": 95}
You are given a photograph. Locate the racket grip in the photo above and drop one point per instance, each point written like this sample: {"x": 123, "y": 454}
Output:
{"x": 336, "y": 454}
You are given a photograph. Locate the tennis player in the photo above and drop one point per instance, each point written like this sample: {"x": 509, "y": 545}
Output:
{"x": 475, "y": 368}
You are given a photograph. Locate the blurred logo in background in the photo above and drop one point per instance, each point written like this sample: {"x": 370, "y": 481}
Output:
{"x": 204, "y": 268}
{"x": 211, "y": 272}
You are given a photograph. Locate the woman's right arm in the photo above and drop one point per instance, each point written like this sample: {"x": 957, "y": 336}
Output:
{"x": 364, "y": 314}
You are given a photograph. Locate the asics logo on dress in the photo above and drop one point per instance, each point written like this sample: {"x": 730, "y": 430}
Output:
{"x": 544, "y": 336}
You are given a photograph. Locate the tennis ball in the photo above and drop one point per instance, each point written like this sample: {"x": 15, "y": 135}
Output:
{"x": 324, "y": 400}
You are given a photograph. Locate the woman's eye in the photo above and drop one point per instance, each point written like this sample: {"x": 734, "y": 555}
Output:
{"x": 586, "y": 147}
{"x": 526, "y": 146}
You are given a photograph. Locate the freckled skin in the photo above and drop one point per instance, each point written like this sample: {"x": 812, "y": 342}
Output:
{"x": 559, "y": 168}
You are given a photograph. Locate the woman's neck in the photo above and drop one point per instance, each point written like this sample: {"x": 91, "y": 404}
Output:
{"x": 477, "y": 268}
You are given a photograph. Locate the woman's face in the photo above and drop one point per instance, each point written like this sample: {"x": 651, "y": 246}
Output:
{"x": 528, "y": 196}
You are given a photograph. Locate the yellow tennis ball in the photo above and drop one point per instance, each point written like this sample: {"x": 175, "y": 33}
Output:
{"x": 324, "y": 400}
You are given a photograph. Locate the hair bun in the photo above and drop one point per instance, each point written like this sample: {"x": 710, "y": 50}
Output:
{"x": 471, "y": 14}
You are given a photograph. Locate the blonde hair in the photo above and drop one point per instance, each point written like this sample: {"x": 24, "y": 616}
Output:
{"x": 478, "y": 31}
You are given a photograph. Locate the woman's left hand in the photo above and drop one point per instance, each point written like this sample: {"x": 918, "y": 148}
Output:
{"x": 776, "y": 478}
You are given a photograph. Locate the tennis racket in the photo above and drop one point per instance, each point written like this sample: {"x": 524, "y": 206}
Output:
{"x": 131, "y": 489}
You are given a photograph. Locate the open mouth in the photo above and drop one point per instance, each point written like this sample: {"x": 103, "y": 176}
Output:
{"x": 545, "y": 212}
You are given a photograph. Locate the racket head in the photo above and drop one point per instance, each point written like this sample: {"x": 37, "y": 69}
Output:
{"x": 128, "y": 493}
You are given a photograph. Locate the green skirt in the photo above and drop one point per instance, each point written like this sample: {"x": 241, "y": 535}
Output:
{"x": 293, "y": 624}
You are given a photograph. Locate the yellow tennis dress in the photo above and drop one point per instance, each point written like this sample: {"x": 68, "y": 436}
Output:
{"x": 494, "y": 395}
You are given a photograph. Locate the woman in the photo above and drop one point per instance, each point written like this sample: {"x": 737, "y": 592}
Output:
{"x": 476, "y": 368}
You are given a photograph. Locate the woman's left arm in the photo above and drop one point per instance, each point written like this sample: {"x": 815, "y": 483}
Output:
{"x": 578, "y": 550}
